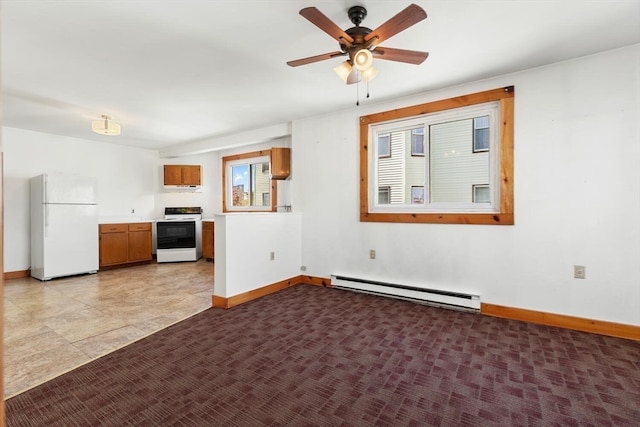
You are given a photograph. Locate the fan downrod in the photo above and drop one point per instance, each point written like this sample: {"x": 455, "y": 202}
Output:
{"x": 357, "y": 14}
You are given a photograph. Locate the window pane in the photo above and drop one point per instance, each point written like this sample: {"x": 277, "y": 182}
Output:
{"x": 240, "y": 174}
{"x": 400, "y": 171}
{"x": 454, "y": 168}
{"x": 260, "y": 183}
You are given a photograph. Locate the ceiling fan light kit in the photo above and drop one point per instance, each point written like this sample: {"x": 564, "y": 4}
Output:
{"x": 369, "y": 74}
{"x": 344, "y": 70}
{"x": 361, "y": 44}
{"x": 105, "y": 126}
{"x": 363, "y": 59}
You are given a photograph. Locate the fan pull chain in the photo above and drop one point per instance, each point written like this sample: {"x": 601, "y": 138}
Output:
{"x": 358, "y": 92}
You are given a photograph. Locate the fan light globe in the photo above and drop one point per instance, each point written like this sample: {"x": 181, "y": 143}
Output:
{"x": 347, "y": 73}
{"x": 343, "y": 70}
{"x": 363, "y": 59}
{"x": 369, "y": 74}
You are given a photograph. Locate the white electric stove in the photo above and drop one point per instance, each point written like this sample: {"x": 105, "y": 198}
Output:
{"x": 179, "y": 235}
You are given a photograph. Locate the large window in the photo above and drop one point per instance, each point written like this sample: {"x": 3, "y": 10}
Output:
{"x": 247, "y": 182}
{"x": 448, "y": 161}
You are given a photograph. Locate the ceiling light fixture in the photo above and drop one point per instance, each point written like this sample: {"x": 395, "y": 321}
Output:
{"x": 363, "y": 68}
{"x": 105, "y": 126}
{"x": 363, "y": 59}
{"x": 369, "y": 74}
{"x": 343, "y": 70}
{"x": 347, "y": 73}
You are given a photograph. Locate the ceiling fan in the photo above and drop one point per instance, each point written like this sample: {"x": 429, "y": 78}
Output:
{"x": 361, "y": 44}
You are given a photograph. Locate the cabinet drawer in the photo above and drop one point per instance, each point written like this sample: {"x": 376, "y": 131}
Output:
{"x": 113, "y": 228}
{"x": 207, "y": 225}
{"x": 143, "y": 226}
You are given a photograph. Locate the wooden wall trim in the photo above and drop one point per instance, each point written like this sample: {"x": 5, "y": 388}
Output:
{"x": 317, "y": 281}
{"x": 601, "y": 327}
{"x": 16, "y": 274}
{"x": 222, "y": 302}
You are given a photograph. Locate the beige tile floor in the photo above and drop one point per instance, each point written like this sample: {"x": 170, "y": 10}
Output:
{"x": 52, "y": 327}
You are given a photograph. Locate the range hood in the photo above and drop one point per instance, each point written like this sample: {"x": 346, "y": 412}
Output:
{"x": 183, "y": 189}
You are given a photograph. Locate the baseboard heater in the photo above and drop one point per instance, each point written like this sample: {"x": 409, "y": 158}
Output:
{"x": 454, "y": 300}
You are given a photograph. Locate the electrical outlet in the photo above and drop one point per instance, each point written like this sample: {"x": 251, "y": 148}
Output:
{"x": 272, "y": 256}
{"x": 372, "y": 254}
{"x": 579, "y": 272}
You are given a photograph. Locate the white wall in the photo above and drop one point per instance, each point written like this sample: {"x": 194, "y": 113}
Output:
{"x": 577, "y": 199}
{"x": 244, "y": 242}
{"x": 210, "y": 186}
{"x": 126, "y": 179}
{"x": 129, "y": 179}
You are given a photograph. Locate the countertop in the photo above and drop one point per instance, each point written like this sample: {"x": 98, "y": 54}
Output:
{"x": 123, "y": 220}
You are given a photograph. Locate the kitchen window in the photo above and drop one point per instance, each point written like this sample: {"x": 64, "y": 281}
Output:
{"x": 448, "y": 161}
{"x": 247, "y": 182}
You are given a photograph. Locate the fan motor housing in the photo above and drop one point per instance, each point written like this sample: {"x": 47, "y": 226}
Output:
{"x": 357, "y": 14}
{"x": 357, "y": 33}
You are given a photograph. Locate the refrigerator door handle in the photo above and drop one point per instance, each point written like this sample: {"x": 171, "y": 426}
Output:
{"x": 46, "y": 219}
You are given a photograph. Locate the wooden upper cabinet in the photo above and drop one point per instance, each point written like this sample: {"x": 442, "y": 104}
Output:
{"x": 191, "y": 175}
{"x": 280, "y": 162}
{"x": 182, "y": 175}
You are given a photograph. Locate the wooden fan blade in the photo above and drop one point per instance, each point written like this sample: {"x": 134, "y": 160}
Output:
{"x": 321, "y": 21}
{"x": 401, "y": 55}
{"x": 313, "y": 59}
{"x": 403, "y": 20}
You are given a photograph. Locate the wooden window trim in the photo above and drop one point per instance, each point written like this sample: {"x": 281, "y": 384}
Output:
{"x": 274, "y": 186}
{"x": 505, "y": 216}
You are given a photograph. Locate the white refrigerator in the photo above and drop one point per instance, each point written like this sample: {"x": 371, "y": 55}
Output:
{"x": 64, "y": 225}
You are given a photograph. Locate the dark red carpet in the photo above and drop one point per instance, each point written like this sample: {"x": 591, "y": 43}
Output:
{"x": 317, "y": 356}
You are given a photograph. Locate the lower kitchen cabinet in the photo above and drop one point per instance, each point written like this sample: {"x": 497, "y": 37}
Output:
{"x": 122, "y": 244}
{"x": 207, "y": 239}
